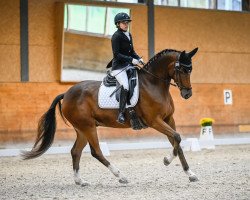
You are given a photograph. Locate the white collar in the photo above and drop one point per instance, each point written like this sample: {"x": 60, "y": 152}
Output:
{"x": 127, "y": 34}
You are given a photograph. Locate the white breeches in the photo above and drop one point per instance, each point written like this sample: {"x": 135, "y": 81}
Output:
{"x": 121, "y": 77}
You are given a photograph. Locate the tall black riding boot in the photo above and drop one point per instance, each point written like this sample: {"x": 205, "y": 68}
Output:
{"x": 122, "y": 105}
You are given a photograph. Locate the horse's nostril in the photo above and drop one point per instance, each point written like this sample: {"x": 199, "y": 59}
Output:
{"x": 188, "y": 95}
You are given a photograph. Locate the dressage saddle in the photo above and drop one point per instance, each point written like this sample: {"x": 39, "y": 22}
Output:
{"x": 110, "y": 81}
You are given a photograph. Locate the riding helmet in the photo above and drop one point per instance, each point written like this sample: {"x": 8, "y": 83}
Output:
{"x": 120, "y": 17}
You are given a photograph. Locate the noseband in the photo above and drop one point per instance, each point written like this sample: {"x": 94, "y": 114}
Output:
{"x": 179, "y": 68}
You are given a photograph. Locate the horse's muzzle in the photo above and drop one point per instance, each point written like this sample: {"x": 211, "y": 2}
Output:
{"x": 186, "y": 93}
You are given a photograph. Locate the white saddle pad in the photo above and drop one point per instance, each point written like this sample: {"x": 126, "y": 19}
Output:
{"x": 105, "y": 101}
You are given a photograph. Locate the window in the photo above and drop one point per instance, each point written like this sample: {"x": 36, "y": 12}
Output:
{"x": 65, "y": 16}
{"x": 230, "y": 5}
{"x": 96, "y": 19}
{"x": 166, "y": 2}
{"x": 195, "y": 3}
{"x": 77, "y": 17}
{"x": 235, "y": 5}
{"x": 91, "y": 19}
{"x": 122, "y": 1}
{"x": 111, "y": 28}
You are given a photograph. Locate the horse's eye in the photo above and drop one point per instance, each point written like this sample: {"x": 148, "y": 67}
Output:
{"x": 187, "y": 71}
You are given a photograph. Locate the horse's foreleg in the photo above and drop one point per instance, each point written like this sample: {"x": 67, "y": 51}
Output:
{"x": 170, "y": 121}
{"x": 76, "y": 153}
{"x": 97, "y": 153}
{"x": 167, "y": 161}
{"x": 167, "y": 130}
{"x": 187, "y": 170}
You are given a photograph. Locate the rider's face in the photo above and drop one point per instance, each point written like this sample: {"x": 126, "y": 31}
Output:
{"x": 124, "y": 25}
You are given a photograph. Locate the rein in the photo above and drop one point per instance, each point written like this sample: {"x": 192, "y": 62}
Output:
{"x": 159, "y": 78}
{"x": 178, "y": 68}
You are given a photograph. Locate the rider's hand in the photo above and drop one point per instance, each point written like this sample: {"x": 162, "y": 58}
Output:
{"x": 135, "y": 62}
{"x": 141, "y": 61}
{"x": 141, "y": 65}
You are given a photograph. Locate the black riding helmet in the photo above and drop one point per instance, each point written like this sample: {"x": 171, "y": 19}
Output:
{"x": 120, "y": 17}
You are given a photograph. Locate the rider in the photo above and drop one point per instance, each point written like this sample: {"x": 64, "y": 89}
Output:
{"x": 124, "y": 55}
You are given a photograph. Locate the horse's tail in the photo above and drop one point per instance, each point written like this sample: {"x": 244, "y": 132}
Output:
{"x": 46, "y": 131}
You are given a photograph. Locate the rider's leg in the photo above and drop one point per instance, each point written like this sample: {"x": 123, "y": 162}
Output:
{"x": 122, "y": 105}
{"x": 122, "y": 78}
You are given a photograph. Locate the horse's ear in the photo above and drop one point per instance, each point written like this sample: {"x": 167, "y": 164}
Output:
{"x": 183, "y": 53}
{"x": 192, "y": 53}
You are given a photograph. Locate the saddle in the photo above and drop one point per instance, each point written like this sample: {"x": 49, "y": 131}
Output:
{"x": 110, "y": 81}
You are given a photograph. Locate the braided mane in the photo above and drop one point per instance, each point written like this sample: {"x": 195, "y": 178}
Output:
{"x": 159, "y": 55}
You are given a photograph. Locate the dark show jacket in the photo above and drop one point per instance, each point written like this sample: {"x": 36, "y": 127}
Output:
{"x": 123, "y": 50}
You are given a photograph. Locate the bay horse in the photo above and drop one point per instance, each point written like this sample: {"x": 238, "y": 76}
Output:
{"x": 155, "y": 107}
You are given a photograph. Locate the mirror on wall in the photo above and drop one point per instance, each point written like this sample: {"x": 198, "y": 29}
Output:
{"x": 86, "y": 41}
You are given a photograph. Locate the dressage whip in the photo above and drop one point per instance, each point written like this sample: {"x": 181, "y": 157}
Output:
{"x": 121, "y": 70}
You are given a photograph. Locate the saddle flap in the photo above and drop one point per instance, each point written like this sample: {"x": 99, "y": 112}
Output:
{"x": 106, "y": 100}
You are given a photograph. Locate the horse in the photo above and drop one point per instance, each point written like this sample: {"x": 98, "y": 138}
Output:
{"x": 155, "y": 107}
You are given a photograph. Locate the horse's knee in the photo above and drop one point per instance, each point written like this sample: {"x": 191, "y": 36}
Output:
{"x": 177, "y": 138}
{"x": 75, "y": 154}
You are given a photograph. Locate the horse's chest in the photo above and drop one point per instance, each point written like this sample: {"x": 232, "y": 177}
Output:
{"x": 168, "y": 109}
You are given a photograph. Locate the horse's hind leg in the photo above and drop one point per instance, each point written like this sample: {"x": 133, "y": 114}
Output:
{"x": 96, "y": 152}
{"x": 167, "y": 161}
{"x": 76, "y": 153}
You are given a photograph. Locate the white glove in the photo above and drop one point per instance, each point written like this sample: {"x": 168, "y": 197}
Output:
{"x": 135, "y": 62}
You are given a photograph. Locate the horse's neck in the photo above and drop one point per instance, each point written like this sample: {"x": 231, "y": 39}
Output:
{"x": 157, "y": 87}
{"x": 154, "y": 90}
{"x": 159, "y": 72}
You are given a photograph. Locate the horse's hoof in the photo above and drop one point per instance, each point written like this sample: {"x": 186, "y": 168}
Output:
{"x": 193, "y": 178}
{"x": 123, "y": 180}
{"x": 166, "y": 161}
{"x": 84, "y": 184}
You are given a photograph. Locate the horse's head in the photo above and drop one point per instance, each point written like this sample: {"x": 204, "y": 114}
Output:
{"x": 182, "y": 69}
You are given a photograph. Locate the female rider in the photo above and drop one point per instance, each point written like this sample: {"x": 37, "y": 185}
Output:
{"x": 124, "y": 55}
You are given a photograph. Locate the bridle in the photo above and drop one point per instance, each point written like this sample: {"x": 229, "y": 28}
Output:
{"x": 179, "y": 68}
